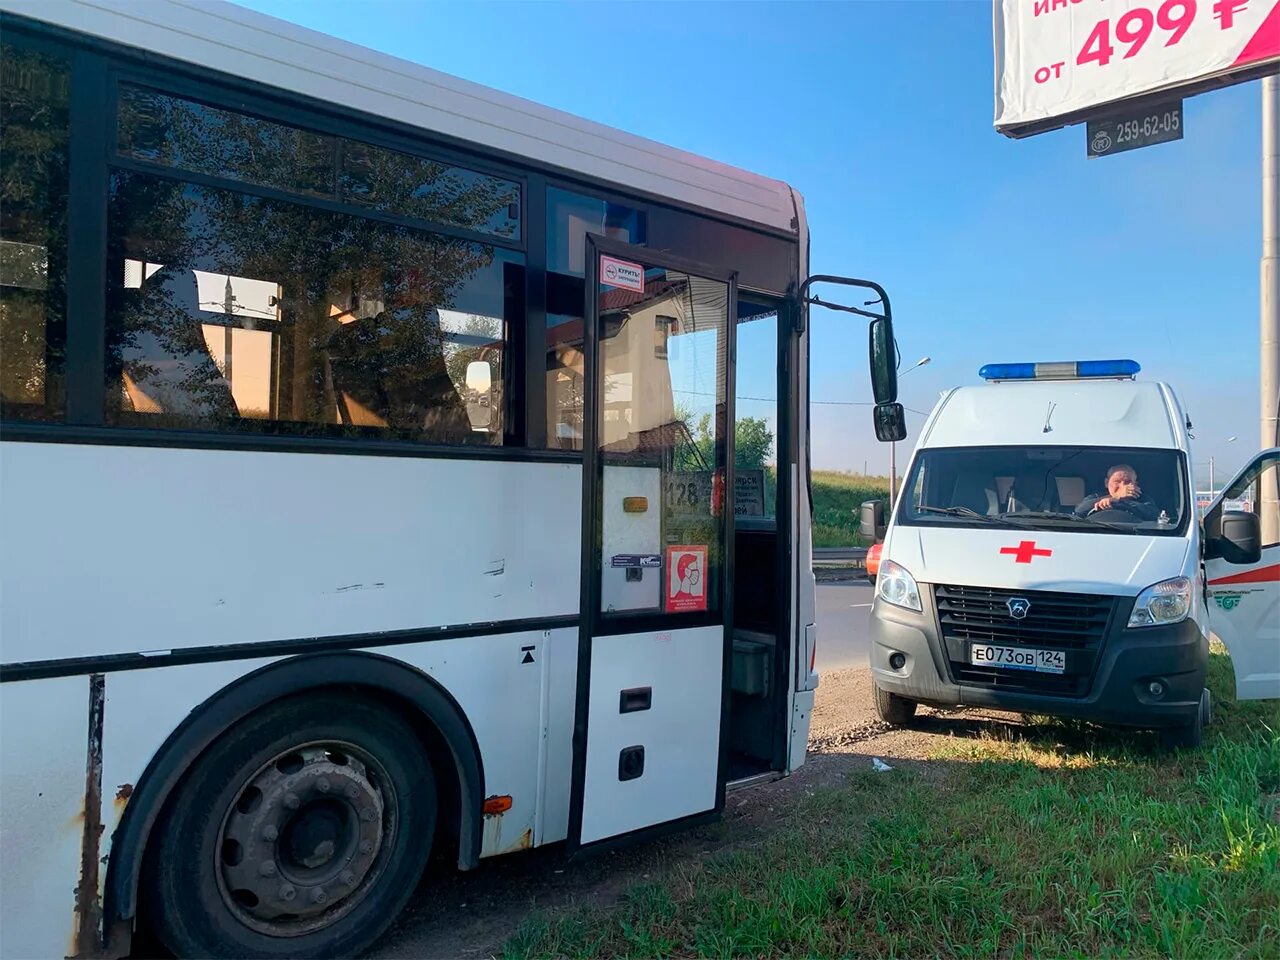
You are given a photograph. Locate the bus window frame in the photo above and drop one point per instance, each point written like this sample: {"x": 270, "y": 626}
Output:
{"x": 99, "y": 66}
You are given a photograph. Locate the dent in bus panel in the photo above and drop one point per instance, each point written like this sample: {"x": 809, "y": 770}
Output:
{"x": 233, "y": 309}
{"x": 34, "y": 124}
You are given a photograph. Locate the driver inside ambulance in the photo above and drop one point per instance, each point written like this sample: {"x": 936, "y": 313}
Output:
{"x": 1123, "y": 493}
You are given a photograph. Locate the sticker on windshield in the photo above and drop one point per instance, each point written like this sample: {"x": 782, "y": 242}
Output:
{"x": 621, "y": 273}
{"x": 686, "y": 578}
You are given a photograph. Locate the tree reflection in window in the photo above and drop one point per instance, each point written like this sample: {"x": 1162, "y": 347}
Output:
{"x": 175, "y": 132}
{"x": 34, "y": 124}
{"x": 371, "y": 329}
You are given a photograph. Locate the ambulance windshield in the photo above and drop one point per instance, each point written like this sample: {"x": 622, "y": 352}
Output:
{"x": 1091, "y": 489}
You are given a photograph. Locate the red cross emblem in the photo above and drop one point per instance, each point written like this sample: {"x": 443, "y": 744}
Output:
{"x": 1024, "y": 551}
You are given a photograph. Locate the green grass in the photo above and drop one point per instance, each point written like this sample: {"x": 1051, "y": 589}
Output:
{"x": 836, "y": 500}
{"x": 1067, "y": 841}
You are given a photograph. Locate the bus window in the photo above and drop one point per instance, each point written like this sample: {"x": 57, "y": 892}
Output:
{"x": 661, "y": 430}
{"x": 228, "y": 310}
{"x": 175, "y": 132}
{"x": 756, "y": 411}
{"x": 570, "y": 218}
{"x": 34, "y": 118}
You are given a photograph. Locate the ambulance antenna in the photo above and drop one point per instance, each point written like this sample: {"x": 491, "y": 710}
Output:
{"x": 1049, "y": 416}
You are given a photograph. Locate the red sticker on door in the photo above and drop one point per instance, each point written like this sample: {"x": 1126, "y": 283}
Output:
{"x": 621, "y": 273}
{"x": 686, "y": 578}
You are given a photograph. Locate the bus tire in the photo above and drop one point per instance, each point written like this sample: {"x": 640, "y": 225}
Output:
{"x": 300, "y": 832}
{"x": 893, "y": 709}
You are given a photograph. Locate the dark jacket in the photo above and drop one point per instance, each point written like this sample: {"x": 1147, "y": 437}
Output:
{"x": 1140, "y": 508}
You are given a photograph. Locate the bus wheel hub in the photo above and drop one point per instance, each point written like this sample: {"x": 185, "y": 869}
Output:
{"x": 300, "y": 838}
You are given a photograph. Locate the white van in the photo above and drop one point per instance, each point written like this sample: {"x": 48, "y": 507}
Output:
{"x": 1045, "y": 556}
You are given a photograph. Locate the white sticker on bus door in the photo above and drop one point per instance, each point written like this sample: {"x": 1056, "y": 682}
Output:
{"x": 621, "y": 273}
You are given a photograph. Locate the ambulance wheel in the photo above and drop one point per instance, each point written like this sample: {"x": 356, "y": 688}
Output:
{"x": 1189, "y": 735}
{"x": 893, "y": 709}
{"x": 301, "y": 832}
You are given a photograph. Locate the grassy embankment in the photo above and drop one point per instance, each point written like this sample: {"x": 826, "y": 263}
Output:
{"x": 1063, "y": 841}
{"x": 836, "y": 499}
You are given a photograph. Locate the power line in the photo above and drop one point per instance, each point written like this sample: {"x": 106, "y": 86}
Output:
{"x": 827, "y": 403}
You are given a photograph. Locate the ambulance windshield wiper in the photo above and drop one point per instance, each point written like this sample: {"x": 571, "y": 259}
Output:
{"x": 970, "y": 514}
{"x": 1072, "y": 520}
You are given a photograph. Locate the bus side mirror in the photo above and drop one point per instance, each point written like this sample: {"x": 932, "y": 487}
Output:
{"x": 884, "y": 362}
{"x": 480, "y": 395}
{"x": 1238, "y": 538}
{"x": 871, "y": 523}
{"x": 890, "y": 421}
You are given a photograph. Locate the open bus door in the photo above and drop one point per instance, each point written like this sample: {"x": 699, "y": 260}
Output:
{"x": 654, "y": 645}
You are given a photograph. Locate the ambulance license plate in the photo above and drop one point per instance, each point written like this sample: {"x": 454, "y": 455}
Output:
{"x": 1017, "y": 658}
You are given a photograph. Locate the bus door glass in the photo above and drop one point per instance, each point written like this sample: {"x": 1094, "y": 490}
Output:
{"x": 656, "y": 549}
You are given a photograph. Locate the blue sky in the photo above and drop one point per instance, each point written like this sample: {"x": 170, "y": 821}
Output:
{"x": 880, "y": 114}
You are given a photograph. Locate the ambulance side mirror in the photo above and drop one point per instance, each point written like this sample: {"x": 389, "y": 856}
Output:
{"x": 1236, "y": 537}
{"x": 871, "y": 523}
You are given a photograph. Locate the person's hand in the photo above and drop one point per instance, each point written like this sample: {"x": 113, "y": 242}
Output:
{"x": 1103, "y": 504}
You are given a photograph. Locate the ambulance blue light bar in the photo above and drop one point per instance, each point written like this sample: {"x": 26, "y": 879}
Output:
{"x": 1069, "y": 370}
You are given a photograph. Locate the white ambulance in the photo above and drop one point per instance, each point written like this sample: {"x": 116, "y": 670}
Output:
{"x": 1045, "y": 556}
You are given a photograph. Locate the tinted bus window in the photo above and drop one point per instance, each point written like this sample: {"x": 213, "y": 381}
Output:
{"x": 34, "y": 119}
{"x": 231, "y": 313}
{"x": 174, "y": 132}
{"x": 570, "y": 217}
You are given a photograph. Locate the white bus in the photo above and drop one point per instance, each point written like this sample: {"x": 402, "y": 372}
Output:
{"x": 367, "y": 436}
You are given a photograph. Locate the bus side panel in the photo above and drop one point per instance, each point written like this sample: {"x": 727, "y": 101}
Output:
{"x": 44, "y": 735}
{"x": 500, "y": 683}
{"x": 504, "y": 685}
{"x": 178, "y": 548}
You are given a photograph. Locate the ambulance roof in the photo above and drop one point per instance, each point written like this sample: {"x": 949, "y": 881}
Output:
{"x": 1121, "y": 413}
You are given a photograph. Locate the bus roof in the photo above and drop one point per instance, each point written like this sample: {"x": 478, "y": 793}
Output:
{"x": 263, "y": 49}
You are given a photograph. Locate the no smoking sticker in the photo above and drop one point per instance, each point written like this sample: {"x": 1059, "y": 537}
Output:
{"x": 621, "y": 273}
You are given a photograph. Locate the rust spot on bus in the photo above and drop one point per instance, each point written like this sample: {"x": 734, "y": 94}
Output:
{"x": 526, "y": 839}
{"x": 124, "y": 792}
{"x": 88, "y": 909}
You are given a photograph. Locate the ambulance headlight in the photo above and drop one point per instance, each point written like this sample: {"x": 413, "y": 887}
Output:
{"x": 1168, "y": 601}
{"x": 894, "y": 585}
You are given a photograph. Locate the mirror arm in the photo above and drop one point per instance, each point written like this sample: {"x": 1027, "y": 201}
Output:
{"x": 818, "y": 302}
{"x": 803, "y": 299}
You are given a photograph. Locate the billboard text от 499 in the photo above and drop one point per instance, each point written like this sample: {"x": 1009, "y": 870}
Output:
{"x": 1064, "y": 61}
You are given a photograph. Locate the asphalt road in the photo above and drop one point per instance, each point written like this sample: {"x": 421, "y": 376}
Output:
{"x": 843, "y": 609}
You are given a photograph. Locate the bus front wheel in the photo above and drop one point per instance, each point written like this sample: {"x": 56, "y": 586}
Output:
{"x": 301, "y": 832}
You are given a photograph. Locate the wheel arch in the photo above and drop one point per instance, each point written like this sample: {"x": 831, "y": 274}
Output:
{"x": 416, "y": 693}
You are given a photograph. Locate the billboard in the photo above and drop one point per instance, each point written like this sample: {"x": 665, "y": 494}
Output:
{"x": 1064, "y": 61}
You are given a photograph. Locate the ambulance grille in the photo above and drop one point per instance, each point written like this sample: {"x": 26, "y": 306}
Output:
{"x": 1072, "y": 622}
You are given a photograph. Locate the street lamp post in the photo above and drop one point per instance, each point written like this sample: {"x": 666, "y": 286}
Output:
{"x": 893, "y": 445}
{"x": 1212, "y": 489}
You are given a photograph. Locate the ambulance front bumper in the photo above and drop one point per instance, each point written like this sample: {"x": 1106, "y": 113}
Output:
{"x": 1148, "y": 677}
